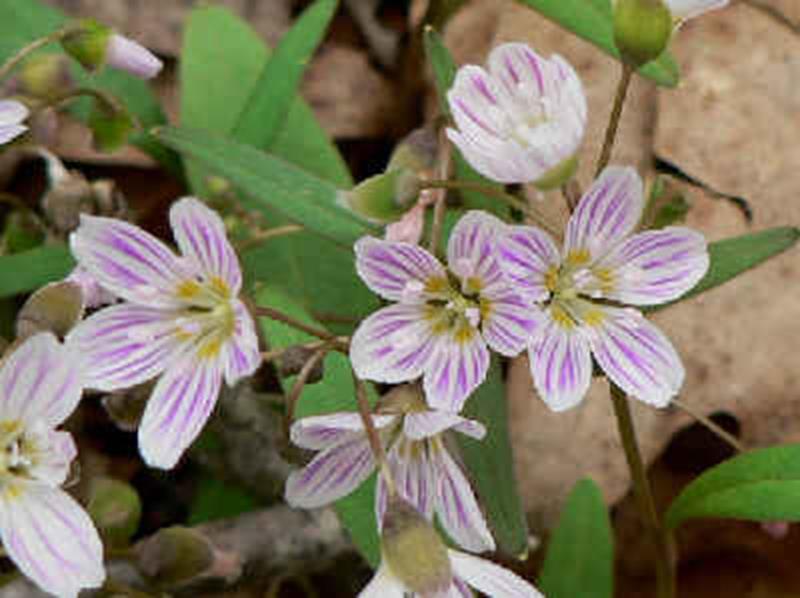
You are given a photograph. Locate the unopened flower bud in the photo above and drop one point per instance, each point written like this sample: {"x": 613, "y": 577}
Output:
{"x": 416, "y": 151}
{"x": 116, "y": 510}
{"x": 55, "y": 307}
{"x": 414, "y": 551}
{"x": 642, "y": 29}
{"x": 44, "y": 76}
{"x": 384, "y": 197}
{"x": 95, "y": 45}
{"x": 558, "y": 175}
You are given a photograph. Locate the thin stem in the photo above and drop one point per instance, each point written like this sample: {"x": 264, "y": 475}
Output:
{"x": 365, "y": 412}
{"x": 279, "y": 316}
{"x": 614, "y": 119}
{"x": 270, "y": 233}
{"x": 644, "y": 496}
{"x": 440, "y": 204}
{"x": 709, "y": 423}
{"x": 774, "y": 14}
{"x": 26, "y": 51}
{"x": 300, "y": 384}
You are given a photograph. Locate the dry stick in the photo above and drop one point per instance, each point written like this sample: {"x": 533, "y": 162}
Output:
{"x": 372, "y": 434}
{"x": 709, "y": 423}
{"x": 279, "y": 316}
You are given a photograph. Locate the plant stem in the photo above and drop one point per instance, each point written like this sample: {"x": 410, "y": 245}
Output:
{"x": 709, "y": 423}
{"x": 279, "y": 316}
{"x": 270, "y": 233}
{"x": 774, "y": 14}
{"x": 665, "y": 573}
{"x": 365, "y": 411}
{"x": 440, "y": 205}
{"x": 300, "y": 384}
{"x": 614, "y": 119}
{"x": 29, "y": 49}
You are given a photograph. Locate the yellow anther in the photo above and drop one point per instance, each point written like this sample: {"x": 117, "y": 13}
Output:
{"x": 188, "y": 289}
{"x": 561, "y": 317}
{"x": 551, "y": 279}
{"x": 578, "y": 257}
{"x": 436, "y": 284}
{"x": 594, "y": 317}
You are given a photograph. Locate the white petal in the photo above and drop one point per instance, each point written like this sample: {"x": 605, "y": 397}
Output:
{"x": 392, "y": 345}
{"x": 241, "y": 353}
{"x": 607, "y": 213}
{"x": 127, "y": 55}
{"x": 561, "y": 366}
{"x": 177, "y": 410}
{"x": 637, "y": 356}
{"x": 124, "y": 345}
{"x": 201, "y": 237}
{"x": 471, "y": 251}
{"x": 687, "y": 9}
{"x": 383, "y": 585}
{"x": 40, "y": 381}
{"x": 12, "y": 112}
{"x": 424, "y": 424}
{"x": 9, "y": 132}
{"x": 332, "y": 474}
{"x": 319, "y": 432}
{"x": 457, "y": 508}
{"x": 509, "y": 322}
{"x": 456, "y": 369}
{"x": 527, "y": 255}
{"x": 51, "y": 539}
{"x": 55, "y": 452}
{"x": 413, "y": 475}
{"x": 491, "y": 579}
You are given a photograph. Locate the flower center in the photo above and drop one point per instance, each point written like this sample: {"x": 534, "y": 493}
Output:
{"x": 209, "y": 319}
{"x": 573, "y": 286}
{"x": 17, "y": 451}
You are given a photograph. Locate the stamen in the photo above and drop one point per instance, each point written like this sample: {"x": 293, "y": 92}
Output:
{"x": 473, "y": 315}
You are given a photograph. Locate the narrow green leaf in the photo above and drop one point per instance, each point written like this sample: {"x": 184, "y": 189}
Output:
{"x": 580, "y": 554}
{"x": 334, "y": 393}
{"x": 593, "y": 21}
{"x": 267, "y": 107}
{"x": 491, "y": 465}
{"x": 762, "y": 485}
{"x": 29, "y": 270}
{"x": 217, "y": 79}
{"x": 732, "y": 257}
{"x": 271, "y": 183}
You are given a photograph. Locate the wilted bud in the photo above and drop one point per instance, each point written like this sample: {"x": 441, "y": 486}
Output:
{"x": 56, "y": 308}
{"x": 416, "y": 151}
{"x": 642, "y": 29}
{"x": 116, "y": 510}
{"x": 414, "y": 551}
{"x": 94, "y": 45}
{"x": 404, "y": 398}
{"x": 44, "y": 76}
{"x": 384, "y": 197}
{"x": 110, "y": 127}
{"x": 126, "y": 407}
{"x": 176, "y": 556}
{"x": 558, "y": 175}
{"x": 292, "y": 360}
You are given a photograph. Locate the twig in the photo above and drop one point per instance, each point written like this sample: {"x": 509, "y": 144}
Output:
{"x": 614, "y": 119}
{"x": 300, "y": 384}
{"x": 775, "y": 14}
{"x": 713, "y": 427}
{"x": 440, "y": 204}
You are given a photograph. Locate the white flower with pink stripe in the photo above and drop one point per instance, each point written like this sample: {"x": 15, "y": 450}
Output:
{"x": 181, "y": 319}
{"x": 582, "y": 293}
{"x": 12, "y": 117}
{"x": 47, "y": 535}
{"x": 444, "y": 318}
{"x": 688, "y": 9}
{"x": 523, "y": 121}
{"x": 424, "y": 472}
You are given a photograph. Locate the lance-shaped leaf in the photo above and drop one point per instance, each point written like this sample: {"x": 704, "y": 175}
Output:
{"x": 270, "y": 183}
{"x": 580, "y": 554}
{"x": 29, "y": 270}
{"x": 762, "y": 485}
{"x": 593, "y": 21}
{"x": 490, "y": 464}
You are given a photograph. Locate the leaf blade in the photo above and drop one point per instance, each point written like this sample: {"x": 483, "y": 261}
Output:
{"x": 29, "y": 270}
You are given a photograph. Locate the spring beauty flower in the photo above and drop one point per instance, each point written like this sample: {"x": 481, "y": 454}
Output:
{"x": 180, "y": 319}
{"x": 47, "y": 535}
{"x": 12, "y": 115}
{"x": 415, "y": 562}
{"x": 688, "y": 9}
{"x": 424, "y": 472}
{"x": 444, "y": 318}
{"x": 523, "y": 120}
{"x": 582, "y": 294}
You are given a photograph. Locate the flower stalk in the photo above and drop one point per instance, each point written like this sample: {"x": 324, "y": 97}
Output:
{"x": 279, "y": 316}
{"x": 614, "y": 119}
{"x": 711, "y": 426}
{"x": 10, "y": 64}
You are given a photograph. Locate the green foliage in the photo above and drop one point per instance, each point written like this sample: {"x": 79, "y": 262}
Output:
{"x": 29, "y": 270}
{"x": 491, "y": 465}
{"x": 762, "y": 485}
{"x": 218, "y": 499}
{"x": 580, "y": 554}
{"x": 593, "y": 20}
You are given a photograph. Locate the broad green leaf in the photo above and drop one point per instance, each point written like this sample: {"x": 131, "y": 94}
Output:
{"x": 334, "y": 393}
{"x": 270, "y": 183}
{"x": 593, "y": 21}
{"x": 29, "y": 270}
{"x": 22, "y": 21}
{"x": 218, "y": 499}
{"x": 762, "y": 485}
{"x": 267, "y": 107}
{"x": 491, "y": 465}
{"x": 732, "y": 257}
{"x": 217, "y": 79}
{"x": 580, "y": 554}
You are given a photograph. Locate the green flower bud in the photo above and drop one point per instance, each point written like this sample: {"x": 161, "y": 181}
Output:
{"x": 384, "y": 197}
{"x": 642, "y": 29}
{"x": 116, "y": 510}
{"x": 413, "y": 550}
{"x": 558, "y": 175}
{"x": 44, "y": 76}
{"x": 86, "y": 41}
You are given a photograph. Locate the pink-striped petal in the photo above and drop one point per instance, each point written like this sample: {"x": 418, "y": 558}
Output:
{"x": 637, "y": 357}
{"x": 471, "y": 252}
{"x": 509, "y": 321}
{"x": 383, "y": 585}
{"x": 655, "y": 266}
{"x": 176, "y": 412}
{"x": 607, "y": 213}
{"x": 687, "y": 9}
{"x": 561, "y": 365}
{"x": 527, "y": 254}
{"x": 50, "y": 539}
{"x": 55, "y": 452}
{"x": 456, "y": 368}
{"x": 414, "y": 477}
{"x": 398, "y": 271}
{"x": 424, "y": 424}
{"x": 319, "y": 432}
{"x": 11, "y": 132}
{"x": 457, "y": 508}
{"x": 242, "y": 355}
{"x": 124, "y": 345}
{"x": 489, "y": 578}
{"x": 129, "y": 262}
{"x": 200, "y": 235}
{"x": 40, "y": 381}
{"x": 392, "y": 345}
{"x": 459, "y": 589}
{"x": 331, "y": 475}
